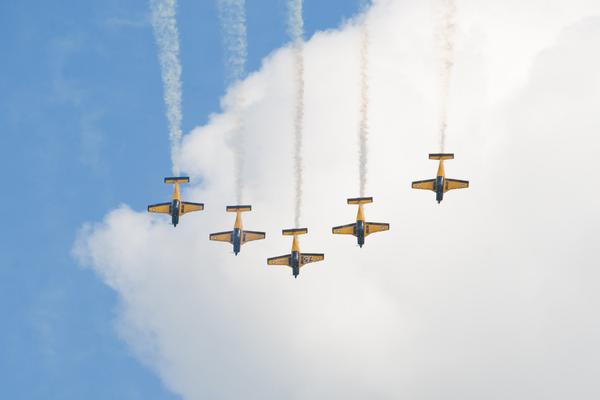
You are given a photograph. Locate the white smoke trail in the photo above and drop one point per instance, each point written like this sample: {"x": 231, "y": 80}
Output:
{"x": 364, "y": 101}
{"x": 447, "y": 30}
{"x": 296, "y": 29}
{"x": 233, "y": 23}
{"x": 167, "y": 39}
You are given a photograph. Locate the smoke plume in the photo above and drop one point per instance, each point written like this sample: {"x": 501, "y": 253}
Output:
{"x": 364, "y": 102}
{"x": 447, "y": 30}
{"x": 233, "y": 24}
{"x": 167, "y": 40}
{"x": 296, "y": 28}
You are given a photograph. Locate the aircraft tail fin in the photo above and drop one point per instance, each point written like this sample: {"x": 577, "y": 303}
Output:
{"x": 360, "y": 200}
{"x": 441, "y": 156}
{"x": 294, "y": 232}
{"x": 238, "y": 208}
{"x": 177, "y": 179}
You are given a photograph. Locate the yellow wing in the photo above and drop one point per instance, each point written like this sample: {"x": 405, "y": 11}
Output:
{"x": 191, "y": 207}
{"x": 163, "y": 208}
{"x": 221, "y": 236}
{"x": 306, "y": 258}
{"x": 451, "y": 184}
{"x": 372, "y": 227}
{"x": 249, "y": 236}
{"x": 343, "y": 229}
{"x": 282, "y": 260}
{"x": 425, "y": 185}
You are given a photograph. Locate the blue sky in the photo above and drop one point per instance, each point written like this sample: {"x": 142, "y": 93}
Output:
{"x": 83, "y": 127}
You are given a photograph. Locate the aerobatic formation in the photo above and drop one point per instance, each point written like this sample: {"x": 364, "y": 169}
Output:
{"x": 233, "y": 14}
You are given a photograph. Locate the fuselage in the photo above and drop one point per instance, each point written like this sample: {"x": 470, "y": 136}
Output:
{"x": 236, "y": 234}
{"x": 175, "y": 205}
{"x": 236, "y": 240}
{"x": 295, "y": 263}
{"x": 295, "y": 257}
{"x": 175, "y": 211}
{"x": 439, "y": 182}
{"x": 359, "y": 227}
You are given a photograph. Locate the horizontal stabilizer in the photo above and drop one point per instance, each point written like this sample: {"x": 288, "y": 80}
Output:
{"x": 360, "y": 200}
{"x": 177, "y": 179}
{"x": 441, "y": 156}
{"x": 296, "y": 231}
{"x": 238, "y": 208}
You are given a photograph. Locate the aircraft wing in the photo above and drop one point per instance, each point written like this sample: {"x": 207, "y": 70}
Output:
{"x": 343, "y": 229}
{"x": 163, "y": 208}
{"x": 310, "y": 258}
{"x": 249, "y": 236}
{"x": 221, "y": 236}
{"x": 281, "y": 260}
{"x": 191, "y": 207}
{"x": 425, "y": 185}
{"x": 372, "y": 227}
{"x": 455, "y": 184}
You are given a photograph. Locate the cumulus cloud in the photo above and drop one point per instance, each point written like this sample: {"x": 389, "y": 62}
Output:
{"x": 492, "y": 294}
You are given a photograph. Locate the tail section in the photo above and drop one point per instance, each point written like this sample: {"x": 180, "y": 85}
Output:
{"x": 294, "y": 232}
{"x": 238, "y": 208}
{"x": 177, "y": 179}
{"x": 360, "y": 200}
{"x": 441, "y": 156}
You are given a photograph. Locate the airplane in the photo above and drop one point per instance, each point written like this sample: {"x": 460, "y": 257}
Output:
{"x": 440, "y": 184}
{"x": 176, "y": 208}
{"x": 360, "y": 228}
{"x": 238, "y": 236}
{"x": 296, "y": 259}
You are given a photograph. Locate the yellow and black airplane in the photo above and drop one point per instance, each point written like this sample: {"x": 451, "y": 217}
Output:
{"x": 296, "y": 259}
{"x": 360, "y": 228}
{"x": 238, "y": 236}
{"x": 176, "y": 208}
{"x": 440, "y": 184}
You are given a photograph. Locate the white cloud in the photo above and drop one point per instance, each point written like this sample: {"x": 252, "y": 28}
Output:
{"x": 492, "y": 294}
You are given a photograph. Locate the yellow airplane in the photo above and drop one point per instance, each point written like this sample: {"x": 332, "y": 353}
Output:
{"x": 440, "y": 184}
{"x": 238, "y": 236}
{"x": 296, "y": 259}
{"x": 176, "y": 208}
{"x": 360, "y": 228}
